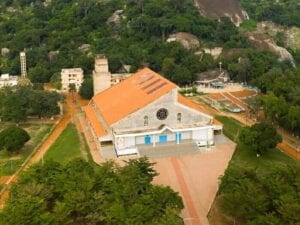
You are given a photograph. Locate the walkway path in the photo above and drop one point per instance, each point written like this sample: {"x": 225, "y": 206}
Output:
{"x": 83, "y": 126}
{"x": 193, "y": 216}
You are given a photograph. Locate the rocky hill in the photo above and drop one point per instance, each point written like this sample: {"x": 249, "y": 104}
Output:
{"x": 220, "y": 8}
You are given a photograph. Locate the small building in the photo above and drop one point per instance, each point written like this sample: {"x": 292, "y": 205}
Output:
{"x": 71, "y": 76}
{"x": 146, "y": 110}
{"x": 7, "y": 80}
{"x": 213, "y": 78}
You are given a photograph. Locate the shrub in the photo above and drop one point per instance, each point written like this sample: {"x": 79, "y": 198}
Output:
{"x": 12, "y": 139}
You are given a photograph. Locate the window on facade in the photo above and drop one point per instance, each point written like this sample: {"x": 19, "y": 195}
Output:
{"x": 178, "y": 117}
{"x": 145, "y": 120}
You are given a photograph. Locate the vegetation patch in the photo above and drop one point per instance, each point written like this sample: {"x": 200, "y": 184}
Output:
{"x": 9, "y": 163}
{"x": 80, "y": 193}
{"x": 248, "y": 25}
{"x": 272, "y": 178}
{"x": 231, "y": 127}
{"x": 66, "y": 147}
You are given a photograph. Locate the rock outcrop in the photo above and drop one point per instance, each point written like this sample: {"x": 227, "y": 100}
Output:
{"x": 291, "y": 35}
{"x": 5, "y": 51}
{"x": 265, "y": 42}
{"x": 187, "y": 40}
{"x": 221, "y": 8}
{"x": 115, "y": 18}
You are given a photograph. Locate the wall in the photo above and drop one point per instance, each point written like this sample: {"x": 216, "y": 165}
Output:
{"x": 189, "y": 117}
{"x": 204, "y": 134}
{"x": 101, "y": 82}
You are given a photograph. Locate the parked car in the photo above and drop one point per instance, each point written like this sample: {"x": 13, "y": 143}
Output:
{"x": 201, "y": 143}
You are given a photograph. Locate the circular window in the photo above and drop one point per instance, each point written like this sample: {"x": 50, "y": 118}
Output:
{"x": 162, "y": 114}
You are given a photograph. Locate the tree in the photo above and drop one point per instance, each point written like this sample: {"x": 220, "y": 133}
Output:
{"x": 12, "y": 139}
{"x": 39, "y": 74}
{"x": 81, "y": 193}
{"x": 87, "y": 89}
{"x": 268, "y": 197}
{"x": 17, "y": 103}
{"x": 293, "y": 118}
{"x": 260, "y": 137}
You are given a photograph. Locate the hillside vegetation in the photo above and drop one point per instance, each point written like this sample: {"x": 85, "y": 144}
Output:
{"x": 52, "y": 36}
{"x": 284, "y": 12}
{"x": 134, "y": 32}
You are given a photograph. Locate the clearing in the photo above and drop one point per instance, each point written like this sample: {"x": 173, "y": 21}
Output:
{"x": 67, "y": 147}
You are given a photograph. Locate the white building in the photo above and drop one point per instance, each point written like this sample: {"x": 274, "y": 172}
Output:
{"x": 23, "y": 64}
{"x": 146, "y": 109}
{"x": 7, "y": 80}
{"x": 71, "y": 76}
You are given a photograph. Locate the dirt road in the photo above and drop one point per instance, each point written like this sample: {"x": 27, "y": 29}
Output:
{"x": 72, "y": 104}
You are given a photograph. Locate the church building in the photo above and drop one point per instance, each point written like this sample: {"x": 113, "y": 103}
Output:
{"x": 146, "y": 109}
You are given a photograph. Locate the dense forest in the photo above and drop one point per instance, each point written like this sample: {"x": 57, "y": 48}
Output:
{"x": 137, "y": 39}
{"x": 262, "y": 198}
{"x": 284, "y": 12}
{"x": 82, "y": 193}
{"x": 20, "y": 102}
{"x": 53, "y": 35}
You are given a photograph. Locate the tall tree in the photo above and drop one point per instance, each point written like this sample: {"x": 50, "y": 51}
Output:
{"x": 260, "y": 137}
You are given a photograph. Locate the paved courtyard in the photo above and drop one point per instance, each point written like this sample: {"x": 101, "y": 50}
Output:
{"x": 168, "y": 150}
{"x": 196, "y": 178}
{"x": 195, "y": 175}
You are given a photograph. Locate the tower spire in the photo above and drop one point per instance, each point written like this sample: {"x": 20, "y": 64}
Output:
{"x": 23, "y": 64}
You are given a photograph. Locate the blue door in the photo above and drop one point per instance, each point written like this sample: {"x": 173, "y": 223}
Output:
{"x": 178, "y": 136}
{"x": 147, "y": 140}
{"x": 163, "y": 139}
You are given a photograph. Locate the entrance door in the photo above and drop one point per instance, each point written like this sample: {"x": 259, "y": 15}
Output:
{"x": 178, "y": 136}
{"x": 147, "y": 140}
{"x": 163, "y": 139}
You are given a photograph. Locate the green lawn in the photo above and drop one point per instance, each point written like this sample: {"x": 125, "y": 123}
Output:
{"x": 10, "y": 163}
{"x": 231, "y": 127}
{"x": 66, "y": 147}
{"x": 244, "y": 157}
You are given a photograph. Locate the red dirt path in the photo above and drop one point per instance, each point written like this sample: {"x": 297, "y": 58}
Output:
{"x": 70, "y": 107}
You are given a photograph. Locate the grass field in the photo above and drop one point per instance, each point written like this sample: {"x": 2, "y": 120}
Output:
{"x": 243, "y": 156}
{"x": 66, "y": 147}
{"x": 231, "y": 127}
{"x": 10, "y": 163}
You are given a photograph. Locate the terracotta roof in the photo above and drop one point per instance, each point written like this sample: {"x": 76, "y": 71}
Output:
{"x": 132, "y": 94}
{"x": 94, "y": 122}
{"x": 187, "y": 102}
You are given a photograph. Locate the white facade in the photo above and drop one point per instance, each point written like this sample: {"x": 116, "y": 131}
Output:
{"x": 71, "y": 76}
{"x": 7, "y": 80}
{"x": 133, "y": 130}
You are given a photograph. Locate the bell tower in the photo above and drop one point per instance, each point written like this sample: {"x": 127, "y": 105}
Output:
{"x": 101, "y": 74}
